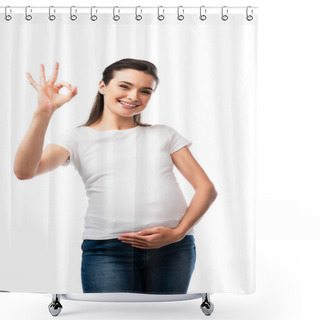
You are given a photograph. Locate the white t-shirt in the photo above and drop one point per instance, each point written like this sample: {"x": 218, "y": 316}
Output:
{"x": 128, "y": 177}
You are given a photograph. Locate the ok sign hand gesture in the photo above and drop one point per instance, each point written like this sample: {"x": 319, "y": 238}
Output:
{"x": 49, "y": 98}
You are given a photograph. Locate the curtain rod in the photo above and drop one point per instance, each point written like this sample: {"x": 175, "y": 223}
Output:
{"x": 127, "y": 7}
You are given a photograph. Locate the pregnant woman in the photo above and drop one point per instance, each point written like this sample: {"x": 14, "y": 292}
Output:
{"x": 138, "y": 230}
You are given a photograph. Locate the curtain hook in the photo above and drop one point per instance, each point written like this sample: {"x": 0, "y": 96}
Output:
{"x": 93, "y": 17}
{"x": 249, "y": 16}
{"x": 52, "y": 16}
{"x": 28, "y": 16}
{"x": 8, "y": 17}
{"x": 160, "y": 16}
{"x": 224, "y": 17}
{"x": 116, "y": 17}
{"x": 73, "y": 16}
{"x": 203, "y": 16}
{"x": 180, "y": 16}
{"x": 138, "y": 17}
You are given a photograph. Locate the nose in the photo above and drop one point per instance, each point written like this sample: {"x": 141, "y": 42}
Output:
{"x": 133, "y": 95}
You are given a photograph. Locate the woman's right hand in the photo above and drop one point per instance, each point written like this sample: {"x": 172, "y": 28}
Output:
{"x": 49, "y": 98}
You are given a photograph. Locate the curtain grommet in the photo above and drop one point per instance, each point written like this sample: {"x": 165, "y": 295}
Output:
{"x": 224, "y": 16}
{"x": 93, "y": 17}
{"x": 203, "y": 16}
{"x": 116, "y": 17}
{"x": 73, "y": 17}
{"x": 7, "y": 16}
{"x": 28, "y": 17}
{"x": 180, "y": 16}
{"x": 249, "y": 16}
{"x": 160, "y": 16}
{"x": 138, "y": 16}
{"x": 51, "y": 16}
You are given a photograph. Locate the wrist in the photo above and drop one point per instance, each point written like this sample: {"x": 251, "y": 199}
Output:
{"x": 43, "y": 113}
{"x": 179, "y": 233}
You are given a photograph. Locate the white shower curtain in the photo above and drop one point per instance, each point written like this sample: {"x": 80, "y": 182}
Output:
{"x": 207, "y": 92}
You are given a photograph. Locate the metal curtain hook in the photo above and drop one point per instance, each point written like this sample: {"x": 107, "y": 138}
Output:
{"x": 249, "y": 16}
{"x": 116, "y": 17}
{"x": 180, "y": 16}
{"x": 8, "y": 17}
{"x": 138, "y": 17}
{"x": 203, "y": 16}
{"x": 160, "y": 16}
{"x": 28, "y": 16}
{"x": 73, "y": 16}
{"x": 52, "y": 16}
{"x": 224, "y": 17}
{"x": 93, "y": 17}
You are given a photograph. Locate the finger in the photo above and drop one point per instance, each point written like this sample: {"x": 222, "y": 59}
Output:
{"x": 73, "y": 92}
{"x": 136, "y": 244}
{"x": 53, "y": 77}
{"x": 144, "y": 232}
{"x": 42, "y": 75}
{"x": 147, "y": 246}
{"x": 140, "y": 247}
{"x": 131, "y": 237}
{"x": 137, "y": 241}
{"x": 144, "y": 241}
{"x": 64, "y": 84}
{"x": 127, "y": 235}
{"x": 32, "y": 82}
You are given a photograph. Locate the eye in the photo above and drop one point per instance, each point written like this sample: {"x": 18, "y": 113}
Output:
{"x": 147, "y": 92}
{"x": 124, "y": 86}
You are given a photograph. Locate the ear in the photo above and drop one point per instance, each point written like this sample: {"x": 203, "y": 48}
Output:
{"x": 101, "y": 87}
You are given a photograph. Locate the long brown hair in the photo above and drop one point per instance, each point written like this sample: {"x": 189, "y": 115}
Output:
{"x": 108, "y": 74}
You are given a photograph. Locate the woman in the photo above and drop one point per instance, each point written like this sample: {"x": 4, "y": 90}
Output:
{"x": 138, "y": 234}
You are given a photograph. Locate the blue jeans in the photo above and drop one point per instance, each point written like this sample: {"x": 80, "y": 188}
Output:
{"x": 113, "y": 266}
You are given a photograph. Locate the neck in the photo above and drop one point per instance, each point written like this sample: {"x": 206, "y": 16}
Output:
{"x": 111, "y": 121}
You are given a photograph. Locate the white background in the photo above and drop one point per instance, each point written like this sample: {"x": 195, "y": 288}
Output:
{"x": 288, "y": 173}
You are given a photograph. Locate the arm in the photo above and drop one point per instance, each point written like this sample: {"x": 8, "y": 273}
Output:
{"x": 29, "y": 153}
{"x": 205, "y": 192}
{"x": 31, "y": 148}
{"x": 29, "y": 160}
{"x": 200, "y": 203}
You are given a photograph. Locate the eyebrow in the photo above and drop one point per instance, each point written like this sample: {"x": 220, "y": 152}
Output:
{"x": 132, "y": 85}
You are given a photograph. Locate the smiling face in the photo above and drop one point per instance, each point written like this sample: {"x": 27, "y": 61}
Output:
{"x": 128, "y": 92}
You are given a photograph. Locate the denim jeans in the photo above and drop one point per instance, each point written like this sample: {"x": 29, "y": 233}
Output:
{"x": 113, "y": 266}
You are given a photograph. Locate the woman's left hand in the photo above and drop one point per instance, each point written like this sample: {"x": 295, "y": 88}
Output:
{"x": 151, "y": 238}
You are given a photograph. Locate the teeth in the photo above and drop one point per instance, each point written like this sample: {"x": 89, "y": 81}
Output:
{"x": 127, "y": 104}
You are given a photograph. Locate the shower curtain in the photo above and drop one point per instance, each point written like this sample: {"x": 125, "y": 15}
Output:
{"x": 206, "y": 60}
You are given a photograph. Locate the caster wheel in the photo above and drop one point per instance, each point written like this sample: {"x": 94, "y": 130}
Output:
{"x": 55, "y": 308}
{"x": 206, "y": 305}
{"x": 207, "y": 308}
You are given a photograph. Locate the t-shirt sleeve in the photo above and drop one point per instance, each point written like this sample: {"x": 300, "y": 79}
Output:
{"x": 176, "y": 140}
{"x": 68, "y": 141}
